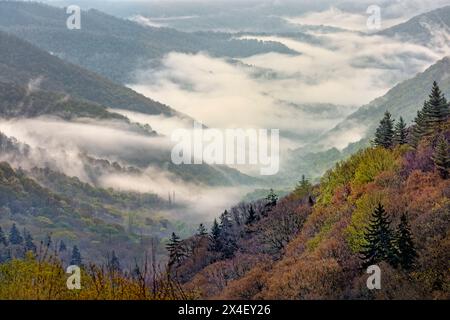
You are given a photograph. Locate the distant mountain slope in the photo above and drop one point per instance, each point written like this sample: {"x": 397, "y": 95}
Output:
{"x": 23, "y": 64}
{"x": 112, "y": 46}
{"x": 16, "y": 101}
{"x": 401, "y": 100}
{"x": 428, "y": 29}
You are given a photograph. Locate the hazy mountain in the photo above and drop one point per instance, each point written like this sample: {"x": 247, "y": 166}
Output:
{"x": 402, "y": 101}
{"x": 25, "y": 65}
{"x": 111, "y": 46}
{"x": 430, "y": 29}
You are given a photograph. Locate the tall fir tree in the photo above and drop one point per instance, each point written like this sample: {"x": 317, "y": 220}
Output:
{"x": 400, "y": 132}
{"x": 303, "y": 188}
{"x": 379, "y": 240}
{"x": 76, "y": 259}
{"x": 174, "y": 248}
{"x": 201, "y": 230}
{"x": 271, "y": 200}
{"x": 62, "y": 247}
{"x": 420, "y": 127}
{"x": 114, "y": 263}
{"x": 384, "y": 135}
{"x": 436, "y": 111}
{"x": 227, "y": 235}
{"x": 441, "y": 157}
{"x": 3, "y": 239}
{"x": 15, "y": 238}
{"x": 251, "y": 216}
{"x": 434, "y": 114}
{"x": 215, "y": 244}
{"x": 406, "y": 251}
{"x": 29, "y": 243}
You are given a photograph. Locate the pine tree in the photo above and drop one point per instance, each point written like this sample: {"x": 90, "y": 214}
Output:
{"x": 251, "y": 217}
{"x": 271, "y": 199}
{"x": 437, "y": 111}
{"x": 3, "y": 239}
{"x": 29, "y": 244}
{"x": 379, "y": 240}
{"x": 76, "y": 259}
{"x": 420, "y": 127}
{"x": 441, "y": 157}
{"x": 174, "y": 249}
{"x": 201, "y": 231}
{"x": 62, "y": 247}
{"x": 406, "y": 251}
{"x": 14, "y": 236}
{"x": 215, "y": 237}
{"x": 303, "y": 188}
{"x": 227, "y": 236}
{"x": 400, "y": 133}
{"x": 114, "y": 263}
{"x": 384, "y": 135}
{"x": 434, "y": 113}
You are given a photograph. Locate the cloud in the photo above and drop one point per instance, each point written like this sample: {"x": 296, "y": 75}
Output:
{"x": 59, "y": 145}
{"x": 271, "y": 90}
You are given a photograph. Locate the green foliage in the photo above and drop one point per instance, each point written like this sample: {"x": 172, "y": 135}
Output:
{"x": 400, "y": 132}
{"x": 303, "y": 188}
{"x": 379, "y": 240}
{"x": 406, "y": 251}
{"x": 372, "y": 163}
{"x": 15, "y": 238}
{"x": 76, "y": 257}
{"x": 215, "y": 237}
{"x": 441, "y": 157}
{"x": 175, "y": 250}
{"x": 384, "y": 135}
{"x": 433, "y": 115}
{"x": 201, "y": 231}
{"x": 364, "y": 207}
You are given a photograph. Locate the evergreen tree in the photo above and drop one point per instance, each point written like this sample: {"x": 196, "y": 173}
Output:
{"x": 174, "y": 249}
{"x": 441, "y": 157}
{"x": 303, "y": 188}
{"x": 227, "y": 236}
{"x": 400, "y": 133}
{"x": 3, "y": 239}
{"x": 215, "y": 237}
{"x": 76, "y": 259}
{"x": 62, "y": 247}
{"x": 437, "y": 109}
{"x": 384, "y": 135}
{"x": 14, "y": 236}
{"x": 379, "y": 240}
{"x": 434, "y": 113}
{"x": 114, "y": 263}
{"x": 201, "y": 231}
{"x": 420, "y": 127}
{"x": 251, "y": 217}
{"x": 271, "y": 199}
{"x": 29, "y": 244}
{"x": 406, "y": 251}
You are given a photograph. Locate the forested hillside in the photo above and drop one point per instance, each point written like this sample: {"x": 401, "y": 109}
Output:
{"x": 115, "y": 47}
{"x": 403, "y": 100}
{"x": 23, "y": 64}
{"x": 386, "y": 205}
